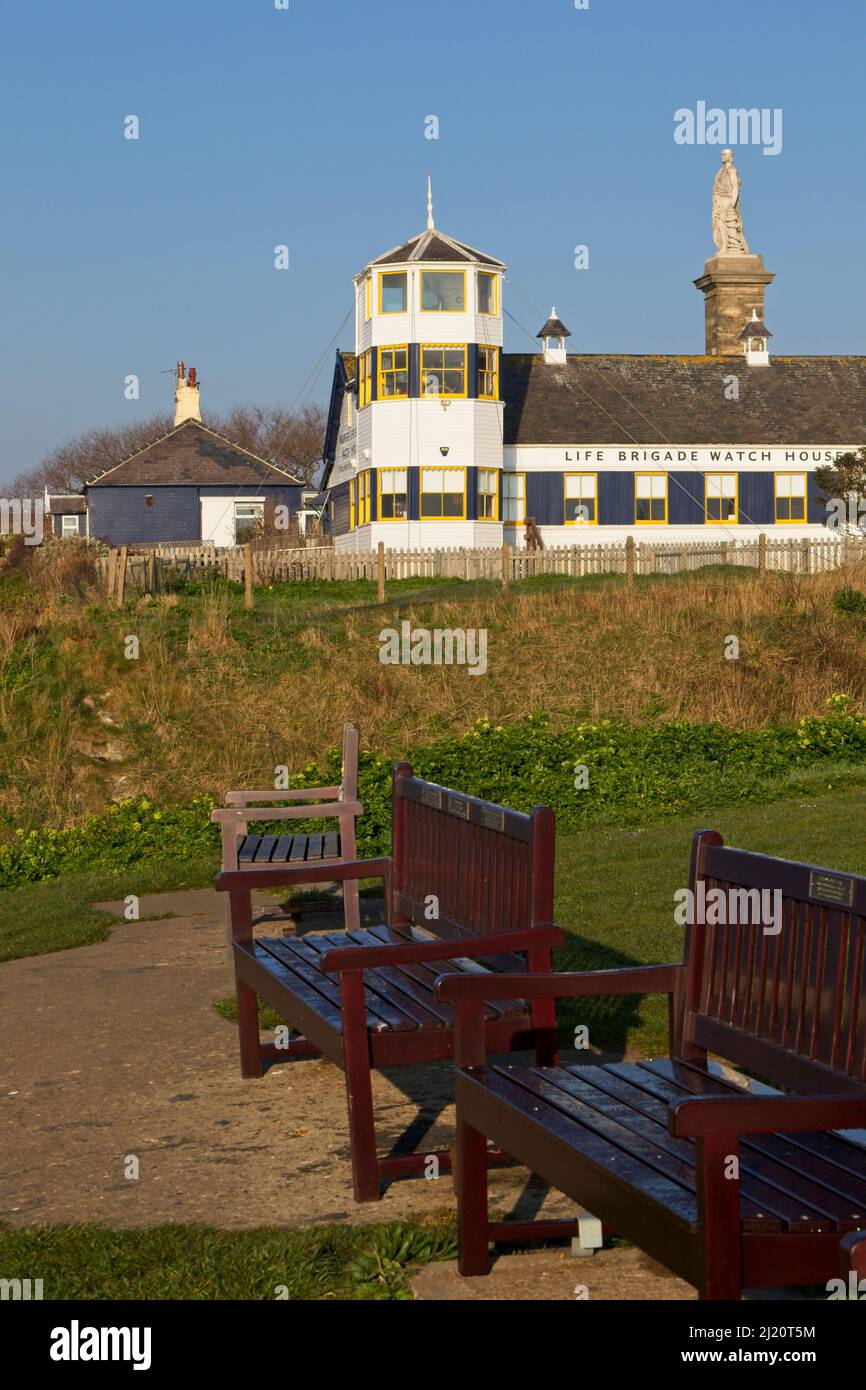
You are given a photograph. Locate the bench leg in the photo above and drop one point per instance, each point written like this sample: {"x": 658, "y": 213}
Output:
{"x": 359, "y": 1090}
{"x": 719, "y": 1214}
{"x": 472, "y": 1200}
{"x": 351, "y": 904}
{"x": 248, "y": 1030}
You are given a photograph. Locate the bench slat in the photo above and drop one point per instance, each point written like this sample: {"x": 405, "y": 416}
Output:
{"x": 265, "y": 849}
{"x": 331, "y": 848}
{"x": 299, "y": 849}
{"x": 247, "y": 846}
{"x": 427, "y": 974}
{"x": 282, "y": 849}
{"x": 314, "y": 847}
{"x": 381, "y": 1015}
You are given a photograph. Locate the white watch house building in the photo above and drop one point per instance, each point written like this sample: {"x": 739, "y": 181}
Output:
{"x": 436, "y": 438}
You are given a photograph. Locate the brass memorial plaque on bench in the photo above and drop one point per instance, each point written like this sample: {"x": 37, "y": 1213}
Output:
{"x": 458, "y": 807}
{"x": 429, "y": 797}
{"x": 831, "y": 888}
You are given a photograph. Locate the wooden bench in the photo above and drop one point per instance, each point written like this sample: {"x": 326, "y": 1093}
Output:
{"x": 469, "y": 889}
{"x": 244, "y": 850}
{"x": 729, "y": 1189}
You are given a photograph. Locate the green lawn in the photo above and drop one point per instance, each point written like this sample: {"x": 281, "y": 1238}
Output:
{"x": 198, "y": 1262}
{"x": 615, "y": 895}
{"x": 58, "y": 913}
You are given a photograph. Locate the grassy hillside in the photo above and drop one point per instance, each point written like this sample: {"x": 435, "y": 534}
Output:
{"x": 219, "y": 697}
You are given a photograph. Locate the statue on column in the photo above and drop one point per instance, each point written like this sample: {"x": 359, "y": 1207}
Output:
{"x": 728, "y": 231}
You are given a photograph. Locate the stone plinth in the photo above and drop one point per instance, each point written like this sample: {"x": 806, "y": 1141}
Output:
{"x": 732, "y": 287}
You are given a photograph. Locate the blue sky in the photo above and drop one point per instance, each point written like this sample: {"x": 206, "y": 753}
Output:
{"x": 307, "y": 127}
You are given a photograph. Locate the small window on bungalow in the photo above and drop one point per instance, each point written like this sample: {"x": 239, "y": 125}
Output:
{"x": 393, "y": 292}
{"x": 69, "y": 526}
{"x": 249, "y": 517}
{"x": 790, "y": 496}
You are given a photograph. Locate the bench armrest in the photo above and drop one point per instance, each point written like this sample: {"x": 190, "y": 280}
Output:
{"x": 642, "y": 979}
{"x": 707, "y": 1116}
{"x": 242, "y": 814}
{"x": 295, "y": 794}
{"x": 395, "y": 953}
{"x": 275, "y": 875}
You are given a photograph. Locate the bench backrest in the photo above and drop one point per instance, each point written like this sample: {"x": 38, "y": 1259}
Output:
{"x": 490, "y": 869}
{"x": 788, "y": 1005}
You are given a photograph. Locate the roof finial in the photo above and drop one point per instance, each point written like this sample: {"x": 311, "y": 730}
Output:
{"x": 431, "y": 225}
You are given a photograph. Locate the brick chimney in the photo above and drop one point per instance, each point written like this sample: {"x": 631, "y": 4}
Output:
{"x": 186, "y": 395}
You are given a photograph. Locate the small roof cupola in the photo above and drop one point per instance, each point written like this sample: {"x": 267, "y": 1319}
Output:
{"x": 553, "y": 336}
{"x": 754, "y": 338}
{"x": 186, "y": 395}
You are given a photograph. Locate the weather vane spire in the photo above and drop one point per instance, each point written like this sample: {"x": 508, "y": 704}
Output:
{"x": 431, "y": 225}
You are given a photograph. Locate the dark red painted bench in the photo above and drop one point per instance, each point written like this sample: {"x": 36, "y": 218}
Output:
{"x": 365, "y": 998}
{"x": 650, "y": 1147}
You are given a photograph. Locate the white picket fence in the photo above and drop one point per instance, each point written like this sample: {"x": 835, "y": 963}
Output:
{"x": 272, "y": 565}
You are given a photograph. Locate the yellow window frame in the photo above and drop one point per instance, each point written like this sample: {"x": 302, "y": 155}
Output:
{"x": 488, "y": 275}
{"x": 392, "y": 371}
{"x": 653, "y": 521}
{"x": 444, "y": 270}
{"x": 352, "y": 503}
{"x": 566, "y": 498}
{"x": 363, "y": 504}
{"x": 484, "y": 371}
{"x": 365, "y": 379}
{"x": 382, "y": 275}
{"x": 719, "y": 521}
{"x": 445, "y": 469}
{"x": 368, "y": 297}
{"x": 791, "y": 520}
{"x": 379, "y": 494}
{"x": 520, "y": 520}
{"x": 445, "y": 395}
{"x": 480, "y": 492}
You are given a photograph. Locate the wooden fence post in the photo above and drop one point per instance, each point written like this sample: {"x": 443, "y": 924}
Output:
{"x": 380, "y": 572}
{"x": 120, "y": 578}
{"x": 248, "y": 575}
{"x": 762, "y": 553}
{"x": 111, "y": 575}
{"x": 629, "y": 559}
{"x": 506, "y": 566}
{"x": 806, "y": 551}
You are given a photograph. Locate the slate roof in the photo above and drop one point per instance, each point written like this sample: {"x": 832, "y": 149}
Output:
{"x": 435, "y": 246}
{"x": 192, "y": 454}
{"x": 681, "y": 400}
{"x": 554, "y": 328}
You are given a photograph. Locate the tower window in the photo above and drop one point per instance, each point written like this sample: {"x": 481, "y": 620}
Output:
{"x": 721, "y": 497}
{"x": 486, "y": 293}
{"x": 393, "y": 495}
{"x": 393, "y": 373}
{"x": 513, "y": 498}
{"x": 790, "y": 496}
{"x": 363, "y": 494}
{"x": 443, "y": 369}
{"x": 650, "y": 497}
{"x": 580, "y": 499}
{"x": 488, "y": 489}
{"x": 393, "y": 292}
{"x": 488, "y": 373}
{"x": 443, "y": 291}
{"x": 365, "y": 381}
{"x": 443, "y": 493}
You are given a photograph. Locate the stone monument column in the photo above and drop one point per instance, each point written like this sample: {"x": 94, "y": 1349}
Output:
{"x": 734, "y": 280}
